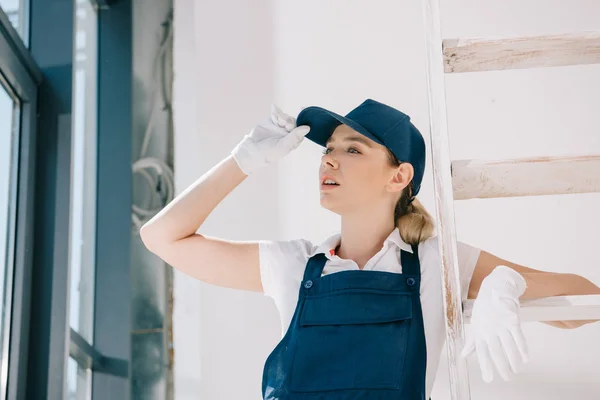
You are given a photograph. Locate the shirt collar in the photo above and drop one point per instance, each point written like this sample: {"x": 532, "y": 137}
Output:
{"x": 334, "y": 240}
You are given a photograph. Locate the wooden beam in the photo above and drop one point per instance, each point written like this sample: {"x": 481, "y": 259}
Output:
{"x": 559, "y": 308}
{"x": 479, "y": 54}
{"x": 525, "y": 177}
{"x": 458, "y": 371}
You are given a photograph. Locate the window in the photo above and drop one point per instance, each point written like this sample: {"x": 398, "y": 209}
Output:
{"x": 83, "y": 172}
{"x": 78, "y": 379}
{"x": 17, "y": 12}
{"x": 82, "y": 231}
{"x": 19, "y": 80}
{"x": 64, "y": 307}
{"x": 9, "y": 141}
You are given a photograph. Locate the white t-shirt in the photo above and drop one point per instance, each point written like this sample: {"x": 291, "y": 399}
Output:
{"x": 282, "y": 265}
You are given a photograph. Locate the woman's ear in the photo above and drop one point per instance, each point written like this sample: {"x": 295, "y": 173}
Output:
{"x": 401, "y": 177}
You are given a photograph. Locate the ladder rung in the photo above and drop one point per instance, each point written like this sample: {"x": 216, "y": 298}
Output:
{"x": 479, "y": 54}
{"x": 525, "y": 177}
{"x": 585, "y": 307}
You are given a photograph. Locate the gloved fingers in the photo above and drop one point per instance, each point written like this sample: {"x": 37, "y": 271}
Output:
{"x": 499, "y": 358}
{"x": 507, "y": 280}
{"x": 274, "y": 119}
{"x": 520, "y": 341}
{"x": 512, "y": 352}
{"x": 276, "y": 116}
{"x": 290, "y": 126}
{"x": 485, "y": 361}
{"x": 301, "y": 131}
{"x": 282, "y": 119}
{"x": 294, "y": 138}
{"x": 282, "y": 122}
{"x": 285, "y": 116}
{"x": 275, "y": 111}
{"x": 287, "y": 122}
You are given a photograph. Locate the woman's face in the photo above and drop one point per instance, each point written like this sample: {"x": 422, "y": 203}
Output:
{"x": 366, "y": 179}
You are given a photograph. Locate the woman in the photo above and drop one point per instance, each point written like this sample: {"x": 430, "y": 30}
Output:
{"x": 376, "y": 330}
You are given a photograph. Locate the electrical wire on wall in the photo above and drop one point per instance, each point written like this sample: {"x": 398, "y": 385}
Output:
{"x": 153, "y": 357}
{"x": 162, "y": 182}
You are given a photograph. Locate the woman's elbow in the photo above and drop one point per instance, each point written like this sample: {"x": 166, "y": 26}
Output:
{"x": 150, "y": 238}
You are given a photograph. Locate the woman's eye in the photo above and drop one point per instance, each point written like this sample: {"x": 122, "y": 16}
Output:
{"x": 327, "y": 150}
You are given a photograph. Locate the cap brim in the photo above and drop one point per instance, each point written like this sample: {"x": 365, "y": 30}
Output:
{"x": 323, "y": 122}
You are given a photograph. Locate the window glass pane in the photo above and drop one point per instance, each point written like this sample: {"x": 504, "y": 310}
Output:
{"x": 79, "y": 382}
{"x": 83, "y": 192}
{"x": 9, "y": 129}
{"x": 17, "y": 12}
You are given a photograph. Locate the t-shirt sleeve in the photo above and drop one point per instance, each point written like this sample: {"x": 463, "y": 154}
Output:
{"x": 281, "y": 264}
{"x": 467, "y": 260}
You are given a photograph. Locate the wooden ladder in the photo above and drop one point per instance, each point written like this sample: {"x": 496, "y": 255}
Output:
{"x": 469, "y": 179}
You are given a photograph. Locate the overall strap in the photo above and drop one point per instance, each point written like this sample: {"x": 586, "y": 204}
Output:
{"x": 314, "y": 267}
{"x": 410, "y": 261}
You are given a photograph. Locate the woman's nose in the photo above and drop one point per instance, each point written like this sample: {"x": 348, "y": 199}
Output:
{"x": 328, "y": 160}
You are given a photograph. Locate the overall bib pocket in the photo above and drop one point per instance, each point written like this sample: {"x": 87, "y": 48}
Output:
{"x": 342, "y": 332}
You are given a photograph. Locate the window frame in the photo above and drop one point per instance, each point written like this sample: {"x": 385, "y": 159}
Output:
{"x": 21, "y": 77}
{"x": 41, "y": 340}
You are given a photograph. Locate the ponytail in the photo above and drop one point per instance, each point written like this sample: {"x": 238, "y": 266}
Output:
{"x": 414, "y": 222}
{"x": 412, "y": 219}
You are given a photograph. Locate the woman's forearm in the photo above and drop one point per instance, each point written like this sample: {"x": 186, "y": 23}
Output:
{"x": 548, "y": 284}
{"x": 187, "y": 212}
{"x": 578, "y": 285}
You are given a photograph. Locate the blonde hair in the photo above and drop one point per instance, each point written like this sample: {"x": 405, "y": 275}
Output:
{"x": 412, "y": 219}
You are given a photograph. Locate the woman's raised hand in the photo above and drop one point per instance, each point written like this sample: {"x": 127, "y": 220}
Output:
{"x": 269, "y": 141}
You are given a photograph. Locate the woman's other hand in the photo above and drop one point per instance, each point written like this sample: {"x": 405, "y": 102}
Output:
{"x": 495, "y": 332}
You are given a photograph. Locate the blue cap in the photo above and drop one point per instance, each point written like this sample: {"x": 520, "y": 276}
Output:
{"x": 377, "y": 121}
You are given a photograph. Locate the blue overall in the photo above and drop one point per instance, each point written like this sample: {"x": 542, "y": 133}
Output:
{"x": 355, "y": 334}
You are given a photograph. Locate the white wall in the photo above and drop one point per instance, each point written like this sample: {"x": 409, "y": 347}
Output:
{"x": 232, "y": 60}
{"x": 223, "y": 85}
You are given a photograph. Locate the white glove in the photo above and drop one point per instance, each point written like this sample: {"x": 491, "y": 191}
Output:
{"x": 269, "y": 141}
{"x": 495, "y": 331}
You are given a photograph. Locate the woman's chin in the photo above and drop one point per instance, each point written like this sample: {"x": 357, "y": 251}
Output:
{"x": 328, "y": 203}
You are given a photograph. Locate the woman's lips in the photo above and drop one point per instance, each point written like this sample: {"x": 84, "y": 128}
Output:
{"x": 328, "y": 187}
